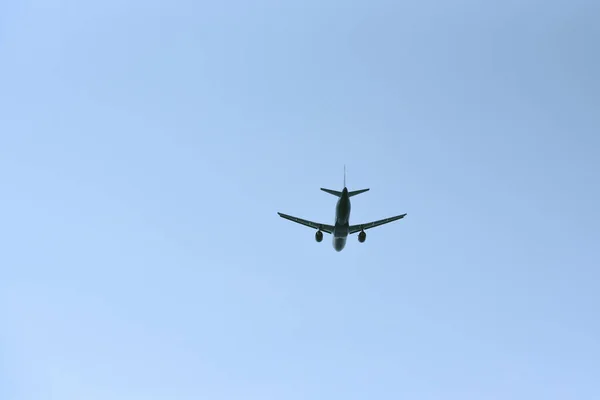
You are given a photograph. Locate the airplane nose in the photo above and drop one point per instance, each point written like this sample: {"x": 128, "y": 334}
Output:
{"x": 338, "y": 244}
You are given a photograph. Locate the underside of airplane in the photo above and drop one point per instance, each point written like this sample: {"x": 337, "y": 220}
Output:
{"x": 341, "y": 227}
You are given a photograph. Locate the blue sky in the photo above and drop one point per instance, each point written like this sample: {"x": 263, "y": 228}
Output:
{"x": 145, "y": 148}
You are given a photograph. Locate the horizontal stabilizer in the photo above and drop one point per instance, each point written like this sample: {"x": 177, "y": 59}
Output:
{"x": 333, "y": 192}
{"x": 355, "y": 192}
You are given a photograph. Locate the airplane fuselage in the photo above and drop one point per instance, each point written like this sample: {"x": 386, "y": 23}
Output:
{"x": 342, "y": 221}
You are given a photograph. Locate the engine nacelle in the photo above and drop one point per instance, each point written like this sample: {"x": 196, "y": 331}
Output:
{"x": 319, "y": 236}
{"x": 362, "y": 236}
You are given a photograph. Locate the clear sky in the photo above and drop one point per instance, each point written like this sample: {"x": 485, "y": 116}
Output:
{"x": 145, "y": 148}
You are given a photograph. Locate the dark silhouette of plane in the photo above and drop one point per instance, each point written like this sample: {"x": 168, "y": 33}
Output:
{"x": 341, "y": 228}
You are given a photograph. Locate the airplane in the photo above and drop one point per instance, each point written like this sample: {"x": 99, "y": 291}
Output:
{"x": 341, "y": 228}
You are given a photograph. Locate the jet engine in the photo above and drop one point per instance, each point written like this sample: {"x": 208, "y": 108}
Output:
{"x": 319, "y": 236}
{"x": 362, "y": 236}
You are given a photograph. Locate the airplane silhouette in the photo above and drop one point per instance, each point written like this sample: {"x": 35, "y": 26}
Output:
{"x": 341, "y": 228}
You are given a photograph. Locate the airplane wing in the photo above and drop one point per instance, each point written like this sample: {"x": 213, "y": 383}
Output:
{"x": 314, "y": 225}
{"x": 359, "y": 227}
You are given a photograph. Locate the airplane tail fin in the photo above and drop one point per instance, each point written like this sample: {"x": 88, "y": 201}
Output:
{"x": 355, "y": 192}
{"x": 339, "y": 194}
